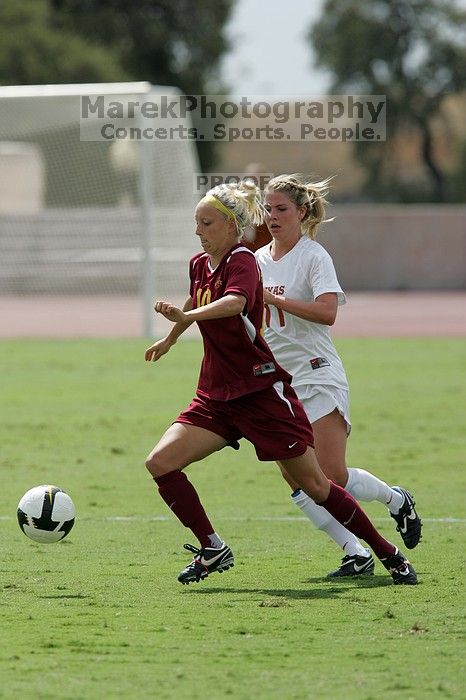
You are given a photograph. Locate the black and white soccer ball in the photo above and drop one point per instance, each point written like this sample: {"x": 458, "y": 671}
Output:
{"x": 46, "y": 514}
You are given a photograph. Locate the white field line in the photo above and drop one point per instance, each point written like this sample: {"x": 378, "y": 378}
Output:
{"x": 244, "y": 519}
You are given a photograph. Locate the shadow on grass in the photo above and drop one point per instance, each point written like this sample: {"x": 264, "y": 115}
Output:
{"x": 354, "y": 582}
{"x": 329, "y": 589}
{"x": 60, "y": 596}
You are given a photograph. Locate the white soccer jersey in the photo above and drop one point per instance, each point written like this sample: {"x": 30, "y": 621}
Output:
{"x": 303, "y": 348}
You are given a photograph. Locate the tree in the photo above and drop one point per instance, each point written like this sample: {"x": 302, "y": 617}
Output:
{"x": 165, "y": 42}
{"x": 34, "y": 52}
{"x": 413, "y": 51}
{"x": 84, "y": 41}
{"x": 168, "y": 43}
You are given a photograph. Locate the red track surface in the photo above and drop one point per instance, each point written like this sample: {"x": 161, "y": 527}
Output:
{"x": 377, "y": 314}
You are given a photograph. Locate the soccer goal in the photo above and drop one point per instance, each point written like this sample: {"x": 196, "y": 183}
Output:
{"x": 86, "y": 215}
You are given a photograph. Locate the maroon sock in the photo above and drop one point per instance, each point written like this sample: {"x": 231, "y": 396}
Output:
{"x": 349, "y": 513}
{"x": 181, "y": 497}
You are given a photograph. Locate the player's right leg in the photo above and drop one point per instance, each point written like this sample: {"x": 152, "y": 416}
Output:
{"x": 181, "y": 445}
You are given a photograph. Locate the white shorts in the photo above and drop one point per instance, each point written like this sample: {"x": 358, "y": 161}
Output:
{"x": 320, "y": 400}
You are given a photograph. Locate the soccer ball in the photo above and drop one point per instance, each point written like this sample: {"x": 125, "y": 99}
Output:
{"x": 46, "y": 514}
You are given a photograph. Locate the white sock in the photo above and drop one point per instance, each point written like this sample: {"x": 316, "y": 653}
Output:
{"x": 364, "y": 486}
{"x": 326, "y": 522}
{"x": 215, "y": 541}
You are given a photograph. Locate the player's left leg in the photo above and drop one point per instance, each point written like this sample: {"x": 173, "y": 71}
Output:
{"x": 306, "y": 472}
{"x": 275, "y": 422}
{"x": 357, "y": 560}
{"x": 330, "y": 439}
{"x": 364, "y": 486}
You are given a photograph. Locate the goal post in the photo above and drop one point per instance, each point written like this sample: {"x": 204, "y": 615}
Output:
{"x": 83, "y": 215}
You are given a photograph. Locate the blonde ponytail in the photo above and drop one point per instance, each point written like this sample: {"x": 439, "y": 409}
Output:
{"x": 243, "y": 200}
{"x": 311, "y": 195}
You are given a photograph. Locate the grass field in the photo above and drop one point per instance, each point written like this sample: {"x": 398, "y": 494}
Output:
{"x": 101, "y": 615}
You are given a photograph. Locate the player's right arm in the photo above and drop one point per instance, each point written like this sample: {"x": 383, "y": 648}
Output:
{"x": 323, "y": 310}
{"x": 161, "y": 347}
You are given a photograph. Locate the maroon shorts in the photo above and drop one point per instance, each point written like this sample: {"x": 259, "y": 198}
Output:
{"x": 273, "y": 420}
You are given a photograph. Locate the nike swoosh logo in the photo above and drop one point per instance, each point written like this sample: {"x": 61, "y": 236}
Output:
{"x": 403, "y": 572}
{"x": 404, "y": 527}
{"x": 290, "y": 446}
{"x": 212, "y": 560}
{"x": 351, "y": 517}
{"x": 360, "y": 568}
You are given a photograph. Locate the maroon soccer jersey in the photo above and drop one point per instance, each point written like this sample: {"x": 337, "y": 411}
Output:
{"x": 237, "y": 360}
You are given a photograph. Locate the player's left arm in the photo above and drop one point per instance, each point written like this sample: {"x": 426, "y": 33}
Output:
{"x": 240, "y": 285}
{"x": 162, "y": 346}
{"x": 323, "y": 310}
{"x": 228, "y": 305}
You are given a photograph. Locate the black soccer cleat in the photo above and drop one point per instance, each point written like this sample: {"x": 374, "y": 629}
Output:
{"x": 206, "y": 560}
{"x": 408, "y": 523}
{"x": 354, "y": 565}
{"x": 400, "y": 569}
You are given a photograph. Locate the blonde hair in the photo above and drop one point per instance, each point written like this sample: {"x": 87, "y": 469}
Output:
{"x": 311, "y": 195}
{"x": 243, "y": 200}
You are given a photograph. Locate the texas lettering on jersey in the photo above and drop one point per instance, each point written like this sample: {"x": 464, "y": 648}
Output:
{"x": 304, "y": 273}
{"x": 278, "y": 289}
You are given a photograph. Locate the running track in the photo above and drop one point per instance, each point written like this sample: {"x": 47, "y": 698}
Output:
{"x": 368, "y": 314}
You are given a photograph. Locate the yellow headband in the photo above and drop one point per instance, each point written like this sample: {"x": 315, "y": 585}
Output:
{"x": 214, "y": 202}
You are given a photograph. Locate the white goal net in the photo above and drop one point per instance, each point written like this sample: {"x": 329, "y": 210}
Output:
{"x": 91, "y": 217}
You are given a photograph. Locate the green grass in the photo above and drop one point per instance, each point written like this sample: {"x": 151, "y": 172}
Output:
{"x": 100, "y": 615}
